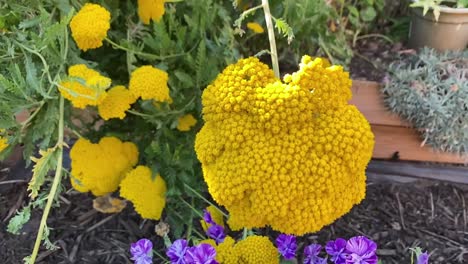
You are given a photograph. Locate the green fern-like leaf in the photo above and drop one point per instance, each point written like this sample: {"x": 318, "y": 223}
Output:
{"x": 284, "y": 28}
{"x": 43, "y": 165}
{"x": 17, "y": 222}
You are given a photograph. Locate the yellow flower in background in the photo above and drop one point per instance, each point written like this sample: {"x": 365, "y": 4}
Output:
{"x": 150, "y": 83}
{"x": 148, "y": 195}
{"x": 255, "y": 27}
{"x": 85, "y": 87}
{"x": 216, "y": 215}
{"x": 256, "y": 250}
{"x": 118, "y": 100}
{"x": 288, "y": 154}
{"x": 186, "y": 122}
{"x": 89, "y": 26}
{"x": 150, "y": 10}
{"x": 100, "y": 168}
{"x": 3, "y": 141}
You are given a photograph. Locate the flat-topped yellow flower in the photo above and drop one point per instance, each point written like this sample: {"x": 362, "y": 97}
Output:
{"x": 148, "y": 83}
{"x": 150, "y": 10}
{"x": 256, "y": 250}
{"x": 89, "y": 26}
{"x": 3, "y": 141}
{"x": 118, "y": 100}
{"x": 148, "y": 195}
{"x": 84, "y": 87}
{"x": 186, "y": 122}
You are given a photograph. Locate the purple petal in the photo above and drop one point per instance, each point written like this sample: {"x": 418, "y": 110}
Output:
{"x": 144, "y": 259}
{"x": 423, "y": 258}
{"x": 207, "y": 217}
{"x": 336, "y": 249}
{"x": 141, "y": 248}
{"x": 216, "y": 232}
{"x": 370, "y": 258}
{"x": 360, "y": 245}
{"x": 312, "y": 250}
{"x": 177, "y": 251}
{"x": 286, "y": 245}
{"x": 201, "y": 254}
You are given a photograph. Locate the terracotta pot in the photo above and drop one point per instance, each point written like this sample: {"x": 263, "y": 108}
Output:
{"x": 450, "y": 32}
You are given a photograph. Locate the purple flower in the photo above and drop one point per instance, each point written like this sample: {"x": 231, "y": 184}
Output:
{"x": 142, "y": 251}
{"x": 207, "y": 217}
{"x": 176, "y": 251}
{"x": 311, "y": 253}
{"x": 336, "y": 249}
{"x": 216, "y": 232}
{"x": 201, "y": 254}
{"x": 286, "y": 245}
{"x": 361, "y": 250}
{"x": 423, "y": 258}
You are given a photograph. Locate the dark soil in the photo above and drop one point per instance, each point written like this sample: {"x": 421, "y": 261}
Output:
{"x": 432, "y": 215}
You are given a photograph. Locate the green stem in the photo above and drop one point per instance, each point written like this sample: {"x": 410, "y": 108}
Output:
{"x": 141, "y": 53}
{"x": 271, "y": 37}
{"x": 204, "y": 199}
{"x": 375, "y": 36}
{"x": 55, "y": 184}
{"x": 31, "y": 117}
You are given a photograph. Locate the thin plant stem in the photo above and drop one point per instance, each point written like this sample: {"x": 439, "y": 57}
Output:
{"x": 153, "y": 56}
{"x": 204, "y": 199}
{"x": 375, "y": 36}
{"x": 55, "y": 184}
{"x": 271, "y": 37}
{"x": 191, "y": 207}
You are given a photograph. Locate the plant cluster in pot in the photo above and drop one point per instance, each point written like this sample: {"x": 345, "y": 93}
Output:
{"x": 444, "y": 28}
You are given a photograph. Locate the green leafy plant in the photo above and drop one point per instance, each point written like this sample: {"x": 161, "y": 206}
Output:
{"x": 430, "y": 90}
{"x": 435, "y": 5}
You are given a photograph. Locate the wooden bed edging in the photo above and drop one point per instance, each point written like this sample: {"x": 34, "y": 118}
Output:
{"x": 393, "y": 135}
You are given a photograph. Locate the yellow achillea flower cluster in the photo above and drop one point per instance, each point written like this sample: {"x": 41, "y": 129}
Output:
{"x": 255, "y": 27}
{"x": 100, "y": 168}
{"x": 3, "y": 142}
{"x": 117, "y": 101}
{"x": 252, "y": 250}
{"x": 89, "y": 26}
{"x": 186, "y": 122}
{"x": 146, "y": 194}
{"x": 89, "y": 88}
{"x": 150, "y": 10}
{"x": 289, "y": 154}
{"x": 148, "y": 83}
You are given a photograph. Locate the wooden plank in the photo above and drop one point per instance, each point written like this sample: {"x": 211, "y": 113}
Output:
{"x": 367, "y": 98}
{"x": 456, "y": 174}
{"x": 406, "y": 141}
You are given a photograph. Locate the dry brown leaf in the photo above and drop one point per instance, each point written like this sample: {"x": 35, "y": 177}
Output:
{"x": 108, "y": 204}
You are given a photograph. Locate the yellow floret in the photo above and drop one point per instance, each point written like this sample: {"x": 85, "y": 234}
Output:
{"x": 216, "y": 215}
{"x": 148, "y": 82}
{"x": 225, "y": 251}
{"x": 3, "y": 143}
{"x": 85, "y": 86}
{"x": 186, "y": 122}
{"x": 292, "y": 154}
{"x": 256, "y": 250}
{"x": 100, "y": 168}
{"x": 146, "y": 194}
{"x": 255, "y": 27}
{"x": 89, "y": 26}
{"x": 117, "y": 101}
{"x": 150, "y": 10}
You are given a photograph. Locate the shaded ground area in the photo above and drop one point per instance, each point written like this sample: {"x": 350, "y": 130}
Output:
{"x": 432, "y": 215}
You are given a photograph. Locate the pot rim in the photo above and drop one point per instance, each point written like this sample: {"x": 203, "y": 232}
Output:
{"x": 446, "y": 9}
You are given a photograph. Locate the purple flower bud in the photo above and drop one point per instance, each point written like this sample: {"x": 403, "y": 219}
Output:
{"x": 216, "y": 232}
{"x": 336, "y": 249}
{"x": 423, "y": 258}
{"x": 201, "y": 254}
{"x": 286, "y": 245}
{"x": 361, "y": 250}
{"x": 176, "y": 252}
{"x": 311, "y": 253}
{"x": 142, "y": 251}
{"x": 207, "y": 217}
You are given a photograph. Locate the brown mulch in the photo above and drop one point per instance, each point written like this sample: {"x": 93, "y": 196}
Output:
{"x": 432, "y": 215}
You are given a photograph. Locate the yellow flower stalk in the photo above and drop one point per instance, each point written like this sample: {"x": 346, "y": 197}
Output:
{"x": 150, "y": 10}
{"x": 118, "y": 100}
{"x": 89, "y": 26}
{"x": 148, "y": 195}
{"x": 291, "y": 155}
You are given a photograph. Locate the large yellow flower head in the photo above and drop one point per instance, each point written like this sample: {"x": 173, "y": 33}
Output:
{"x": 150, "y": 10}
{"x": 148, "y": 83}
{"x": 117, "y": 101}
{"x": 256, "y": 250}
{"x": 3, "y": 142}
{"x": 292, "y": 154}
{"x": 148, "y": 195}
{"x": 89, "y": 26}
{"x": 186, "y": 122}
{"x": 85, "y": 86}
{"x": 100, "y": 168}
